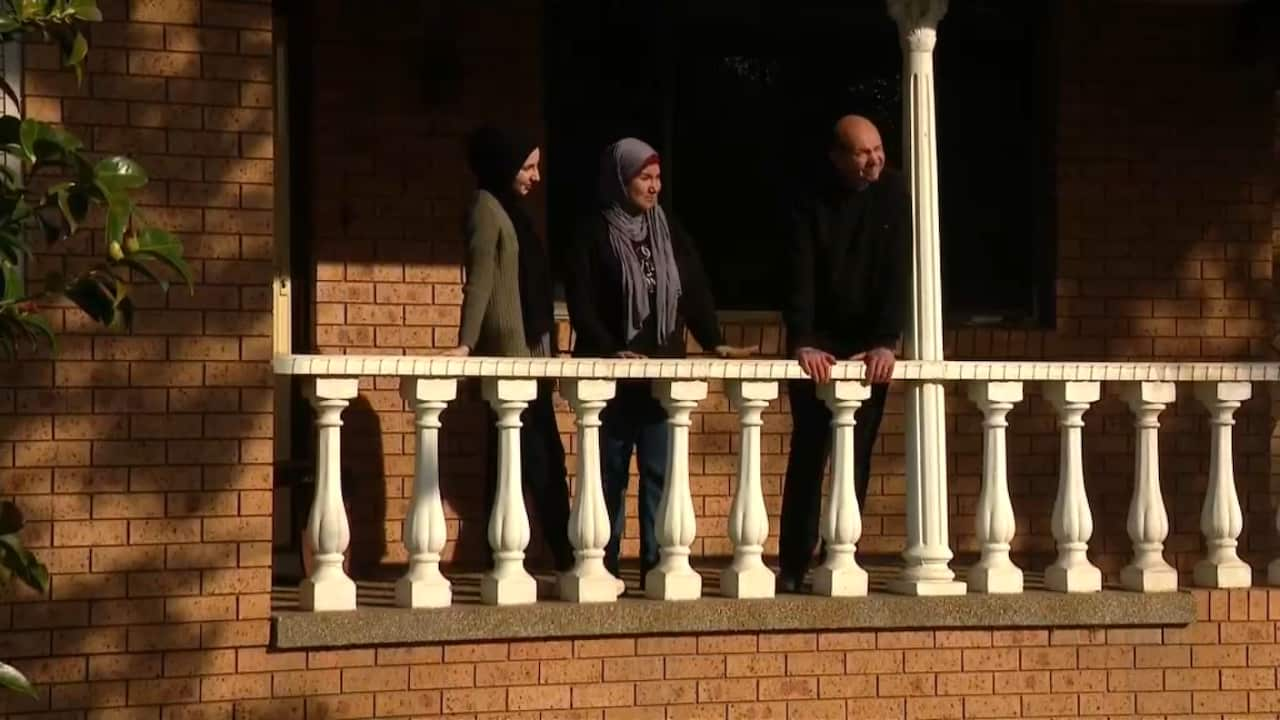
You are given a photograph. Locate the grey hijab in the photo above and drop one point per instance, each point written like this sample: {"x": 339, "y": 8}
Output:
{"x": 620, "y": 163}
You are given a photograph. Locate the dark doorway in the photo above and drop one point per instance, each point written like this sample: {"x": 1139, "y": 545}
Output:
{"x": 739, "y": 97}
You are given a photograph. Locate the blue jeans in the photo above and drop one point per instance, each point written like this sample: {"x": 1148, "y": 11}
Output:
{"x": 633, "y": 420}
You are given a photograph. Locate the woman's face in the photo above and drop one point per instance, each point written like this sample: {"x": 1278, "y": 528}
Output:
{"x": 643, "y": 189}
{"x": 527, "y": 176}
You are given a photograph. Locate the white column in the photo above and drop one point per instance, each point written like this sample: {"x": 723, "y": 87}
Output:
{"x": 508, "y": 583}
{"x": 673, "y": 578}
{"x": 747, "y": 576}
{"x": 329, "y": 588}
{"x": 1072, "y": 519}
{"x": 1148, "y": 520}
{"x": 839, "y": 575}
{"x": 926, "y": 570}
{"x": 1221, "y": 519}
{"x": 994, "y": 522}
{"x": 588, "y": 581}
{"x": 424, "y": 528}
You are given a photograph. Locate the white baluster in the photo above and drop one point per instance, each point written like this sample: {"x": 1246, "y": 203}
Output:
{"x": 588, "y": 581}
{"x": 994, "y": 522}
{"x": 1148, "y": 521}
{"x": 673, "y": 578}
{"x": 424, "y": 528}
{"x": 508, "y": 583}
{"x": 840, "y": 575}
{"x": 1221, "y": 519}
{"x": 747, "y": 576}
{"x": 1072, "y": 519}
{"x": 329, "y": 588}
{"x": 926, "y": 561}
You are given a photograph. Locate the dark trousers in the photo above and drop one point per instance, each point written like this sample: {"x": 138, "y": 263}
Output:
{"x": 543, "y": 474}
{"x": 810, "y": 445}
{"x": 633, "y": 421}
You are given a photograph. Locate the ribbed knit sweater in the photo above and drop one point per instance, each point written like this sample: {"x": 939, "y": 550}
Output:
{"x": 491, "y": 318}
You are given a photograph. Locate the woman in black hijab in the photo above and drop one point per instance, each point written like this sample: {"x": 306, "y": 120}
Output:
{"x": 507, "y": 311}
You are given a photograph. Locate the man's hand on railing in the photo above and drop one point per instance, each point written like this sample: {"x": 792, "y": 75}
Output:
{"x": 879, "y": 362}
{"x": 460, "y": 351}
{"x": 733, "y": 352}
{"x": 816, "y": 363}
{"x": 628, "y": 355}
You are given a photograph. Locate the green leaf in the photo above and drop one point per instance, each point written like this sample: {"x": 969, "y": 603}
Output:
{"x": 119, "y": 209}
{"x": 24, "y": 565}
{"x": 9, "y": 23}
{"x": 146, "y": 272}
{"x": 119, "y": 173}
{"x": 74, "y": 204}
{"x": 75, "y": 54}
{"x": 13, "y": 247}
{"x": 39, "y": 328}
{"x": 163, "y": 247}
{"x": 11, "y": 276}
{"x": 28, "y": 132}
{"x": 86, "y": 10}
{"x": 11, "y": 679}
{"x": 94, "y": 299}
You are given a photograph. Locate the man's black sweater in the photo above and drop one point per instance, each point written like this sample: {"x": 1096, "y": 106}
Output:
{"x": 850, "y": 264}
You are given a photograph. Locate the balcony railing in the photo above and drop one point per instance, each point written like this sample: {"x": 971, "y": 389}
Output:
{"x": 429, "y": 384}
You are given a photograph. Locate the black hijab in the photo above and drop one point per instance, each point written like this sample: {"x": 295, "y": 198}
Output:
{"x": 496, "y": 156}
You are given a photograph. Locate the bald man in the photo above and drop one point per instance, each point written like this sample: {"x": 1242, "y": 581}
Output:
{"x": 850, "y": 254}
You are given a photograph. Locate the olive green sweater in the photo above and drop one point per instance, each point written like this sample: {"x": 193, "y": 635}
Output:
{"x": 491, "y": 320}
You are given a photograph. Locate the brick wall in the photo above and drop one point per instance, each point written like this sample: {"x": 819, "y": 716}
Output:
{"x": 1223, "y": 666}
{"x": 143, "y": 462}
{"x": 1165, "y": 204}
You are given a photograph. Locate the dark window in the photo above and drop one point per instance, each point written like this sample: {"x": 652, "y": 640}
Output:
{"x": 740, "y": 96}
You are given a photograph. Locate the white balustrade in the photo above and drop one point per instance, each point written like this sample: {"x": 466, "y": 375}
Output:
{"x": 994, "y": 522}
{"x": 430, "y": 384}
{"x": 1148, "y": 521}
{"x": 1221, "y": 518}
{"x": 673, "y": 578}
{"x": 423, "y": 586}
{"x": 1072, "y": 520}
{"x": 840, "y": 575}
{"x": 508, "y": 583}
{"x": 329, "y": 588}
{"x": 588, "y": 581}
{"x": 747, "y": 576}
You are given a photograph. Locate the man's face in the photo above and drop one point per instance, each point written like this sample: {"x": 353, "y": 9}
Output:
{"x": 859, "y": 157}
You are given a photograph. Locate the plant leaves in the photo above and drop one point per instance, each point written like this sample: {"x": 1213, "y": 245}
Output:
{"x": 119, "y": 208}
{"x": 38, "y": 327}
{"x": 74, "y": 54}
{"x": 145, "y": 271}
{"x": 86, "y": 10}
{"x": 11, "y": 276}
{"x": 24, "y": 565}
{"x": 11, "y": 679}
{"x": 119, "y": 173}
{"x": 94, "y": 299}
{"x": 163, "y": 247}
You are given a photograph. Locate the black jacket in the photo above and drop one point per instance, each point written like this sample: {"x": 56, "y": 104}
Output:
{"x": 597, "y": 308}
{"x": 850, "y": 264}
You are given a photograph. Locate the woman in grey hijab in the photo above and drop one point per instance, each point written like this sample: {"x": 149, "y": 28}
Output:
{"x": 635, "y": 284}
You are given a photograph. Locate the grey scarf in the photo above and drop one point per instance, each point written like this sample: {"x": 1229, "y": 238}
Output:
{"x": 620, "y": 163}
